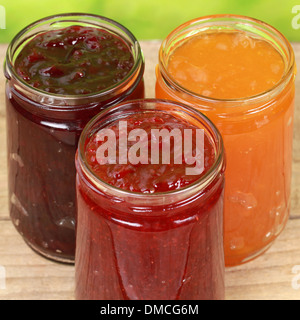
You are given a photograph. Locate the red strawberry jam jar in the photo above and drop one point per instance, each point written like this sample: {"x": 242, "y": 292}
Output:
{"x": 61, "y": 71}
{"x": 150, "y": 178}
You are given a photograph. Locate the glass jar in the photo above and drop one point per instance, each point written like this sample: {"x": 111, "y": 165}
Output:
{"x": 43, "y": 131}
{"x": 257, "y": 132}
{"x": 161, "y": 245}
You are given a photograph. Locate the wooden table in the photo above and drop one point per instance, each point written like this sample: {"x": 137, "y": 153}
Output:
{"x": 30, "y": 276}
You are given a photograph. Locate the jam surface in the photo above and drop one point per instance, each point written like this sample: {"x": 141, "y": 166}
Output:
{"x": 167, "y": 250}
{"x": 149, "y": 177}
{"x": 226, "y": 65}
{"x": 74, "y": 60}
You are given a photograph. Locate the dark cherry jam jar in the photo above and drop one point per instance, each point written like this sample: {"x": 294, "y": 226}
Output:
{"x": 61, "y": 71}
{"x": 147, "y": 229}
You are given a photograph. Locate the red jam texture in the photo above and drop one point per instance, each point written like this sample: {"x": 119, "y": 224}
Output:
{"x": 148, "y": 178}
{"x": 168, "y": 251}
{"x": 74, "y": 60}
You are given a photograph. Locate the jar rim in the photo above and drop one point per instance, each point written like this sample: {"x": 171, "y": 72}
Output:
{"x": 91, "y": 19}
{"x": 195, "y": 187}
{"x": 240, "y": 19}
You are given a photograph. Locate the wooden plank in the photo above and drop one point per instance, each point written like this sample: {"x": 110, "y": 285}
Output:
{"x": 270, "y": 276}
{"x": 27, "y": 274}
{"x": 30, "y": 276}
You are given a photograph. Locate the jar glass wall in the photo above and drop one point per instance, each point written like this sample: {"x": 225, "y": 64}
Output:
{"x": 43, "y": 129}
{"x": 161, "y": 245}
{"x": 257, "y": 130}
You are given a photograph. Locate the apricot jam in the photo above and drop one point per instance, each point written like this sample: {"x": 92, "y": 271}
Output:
{"x": 226, "y": 65}
{"x": 240, "y": 73}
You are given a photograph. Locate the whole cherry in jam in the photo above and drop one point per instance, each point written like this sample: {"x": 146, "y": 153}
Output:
{"x": 74, "y": 60}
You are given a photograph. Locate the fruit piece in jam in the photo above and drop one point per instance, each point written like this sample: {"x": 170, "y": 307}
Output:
{"x": 75, "y": 60}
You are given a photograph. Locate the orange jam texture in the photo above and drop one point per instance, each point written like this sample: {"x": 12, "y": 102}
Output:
{"x": 211, "y": 65}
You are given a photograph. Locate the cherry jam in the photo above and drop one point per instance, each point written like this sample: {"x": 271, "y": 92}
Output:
{"x": 74, "y": 60}
{"x": 61, "y": 71}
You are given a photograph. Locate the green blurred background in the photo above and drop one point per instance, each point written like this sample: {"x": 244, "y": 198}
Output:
{"x": 151, "y": 19}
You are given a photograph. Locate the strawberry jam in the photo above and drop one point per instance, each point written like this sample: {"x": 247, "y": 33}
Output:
{"x": 149, "y": 231}
{"x": 61, "y": 71}
{"x": 148, "y": 178}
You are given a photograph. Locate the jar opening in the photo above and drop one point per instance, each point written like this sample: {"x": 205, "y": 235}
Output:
{"x": 144, "y": 106}
{"x": 75, "y": 19}
{"x": 227, "y": 23}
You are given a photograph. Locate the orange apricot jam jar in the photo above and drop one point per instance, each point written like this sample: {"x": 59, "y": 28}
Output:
{"x": 240, "y": 73}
